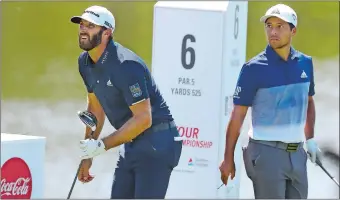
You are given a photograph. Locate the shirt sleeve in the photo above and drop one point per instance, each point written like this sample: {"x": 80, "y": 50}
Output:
{"x": 83, "y": 73}
{"x": 132, "y": 82}
{"x": 246, "y": 88}
{"x": 311, "y": 91}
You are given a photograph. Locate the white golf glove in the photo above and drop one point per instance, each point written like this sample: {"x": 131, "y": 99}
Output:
{"x": 91, "y": 148}
{"x": 313, "y": 150}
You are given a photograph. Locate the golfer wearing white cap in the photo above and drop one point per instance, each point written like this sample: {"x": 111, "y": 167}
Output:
{"x": 278, "y": 85}
{"x": 93, "y": 18}
{"x": 120, "y": 86}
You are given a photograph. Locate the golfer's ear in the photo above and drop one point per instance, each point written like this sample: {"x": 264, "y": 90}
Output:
{"x": 294, "y": 31}
{"x": 108, "y": 32}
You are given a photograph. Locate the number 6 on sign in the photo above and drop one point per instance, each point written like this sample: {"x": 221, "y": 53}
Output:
{"x": 237, "y": 9}
{"x": 186, "y": 50}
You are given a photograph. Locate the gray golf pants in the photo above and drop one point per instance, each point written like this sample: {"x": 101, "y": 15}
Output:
{"x": 275, "y": 172}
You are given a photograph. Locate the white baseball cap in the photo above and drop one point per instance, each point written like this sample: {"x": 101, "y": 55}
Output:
{"x": 97, "y": 15}
{"x": 281, "y": 11}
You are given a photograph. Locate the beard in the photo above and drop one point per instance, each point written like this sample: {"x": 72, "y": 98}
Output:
{"x": 90, "y": 43}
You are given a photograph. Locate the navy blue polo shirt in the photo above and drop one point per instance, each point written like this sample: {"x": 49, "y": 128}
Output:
{"x": 121, "y": 79}
{"x": 277, "y": 92}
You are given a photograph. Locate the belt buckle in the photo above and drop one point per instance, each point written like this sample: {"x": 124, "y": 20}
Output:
{"x": 292, "y": 147}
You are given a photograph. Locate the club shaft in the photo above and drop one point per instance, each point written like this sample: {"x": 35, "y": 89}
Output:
{"x": 74, "y": 181}
{"x": 335, "y": 181}
{"x": 326, "y": 171}
{"x": 75, "y": 178}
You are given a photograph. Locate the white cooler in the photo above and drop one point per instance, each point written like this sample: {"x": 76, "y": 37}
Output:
{"x": 22, "y": 166}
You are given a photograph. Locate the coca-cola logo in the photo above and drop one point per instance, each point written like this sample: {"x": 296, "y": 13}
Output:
{"x": 16, "y": 179}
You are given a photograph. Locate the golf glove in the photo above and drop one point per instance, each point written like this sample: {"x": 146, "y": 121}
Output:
{"x": 313, "y": 150}
{"x": 91, "y": 148}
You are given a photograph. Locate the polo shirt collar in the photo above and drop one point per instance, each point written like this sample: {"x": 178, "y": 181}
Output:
{"x": 272, "y": 54}
{"x": 104, "y": 57}
{"x": 294, "y": 54}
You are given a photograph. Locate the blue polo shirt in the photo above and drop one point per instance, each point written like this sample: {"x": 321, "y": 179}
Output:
{"x": 121, "y": 79}
{"x": 277, "y": 92}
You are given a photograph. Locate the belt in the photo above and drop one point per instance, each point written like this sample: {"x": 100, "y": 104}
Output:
{"x": 155, "y": 128}
{"x": 289, "y": 147}
{"x": 160, "y": 127}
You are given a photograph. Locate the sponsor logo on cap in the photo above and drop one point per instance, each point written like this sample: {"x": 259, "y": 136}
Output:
{"x": 276, "y": 11}
{"x": 91, "y": 12}
{"x": 108, "y": 24}
{"x": 294, "y": 16}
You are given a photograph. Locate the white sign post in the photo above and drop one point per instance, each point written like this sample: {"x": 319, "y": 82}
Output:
{"x": 198, "y": 51}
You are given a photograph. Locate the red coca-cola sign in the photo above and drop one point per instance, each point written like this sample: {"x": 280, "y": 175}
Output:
{"x": 16, "y": 179}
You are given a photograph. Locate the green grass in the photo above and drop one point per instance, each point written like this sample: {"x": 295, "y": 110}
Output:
{"x": 39, "y": 47}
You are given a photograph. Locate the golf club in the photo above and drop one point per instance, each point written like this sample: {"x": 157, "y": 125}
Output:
{"x": 318, "y": 162}
{"x": 89, "y": 120}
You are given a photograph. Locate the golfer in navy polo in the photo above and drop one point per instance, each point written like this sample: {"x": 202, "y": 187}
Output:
{"x": 278, "y": 84}
{"x": 120, "y": 86}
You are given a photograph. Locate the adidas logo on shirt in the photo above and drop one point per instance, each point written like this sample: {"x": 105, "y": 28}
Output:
{"x": 304, "y": 75}
{"x": 109, "y": 83}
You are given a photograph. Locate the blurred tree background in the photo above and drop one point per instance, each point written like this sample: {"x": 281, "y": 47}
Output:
{"x": 39, "y": 44}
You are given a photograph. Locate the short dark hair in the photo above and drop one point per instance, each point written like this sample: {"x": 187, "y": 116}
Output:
{"x": 291, "y": 26}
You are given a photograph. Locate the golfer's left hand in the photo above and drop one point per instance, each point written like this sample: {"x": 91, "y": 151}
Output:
{"x": 84, "y": 172}
{"x": 313, "y": 150}
{"x": 227, "y": 168}
{"x": 91, "y": 148}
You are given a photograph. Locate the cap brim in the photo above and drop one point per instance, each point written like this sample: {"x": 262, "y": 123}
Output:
{"x": 77, "y": 19}
{"x": 264, "y": 18}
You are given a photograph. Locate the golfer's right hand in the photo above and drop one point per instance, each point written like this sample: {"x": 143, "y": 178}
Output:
{"x": 227, "y": 168}
{"x": 84, "y": 172}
